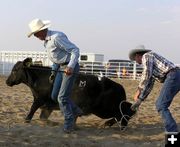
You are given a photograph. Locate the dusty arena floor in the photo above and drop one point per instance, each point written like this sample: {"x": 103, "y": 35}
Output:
{"x": 144, "y": 130}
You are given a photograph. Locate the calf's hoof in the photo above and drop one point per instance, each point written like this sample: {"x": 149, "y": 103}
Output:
{"x": 27, "y": 120}
{"x": 109, "y": 123}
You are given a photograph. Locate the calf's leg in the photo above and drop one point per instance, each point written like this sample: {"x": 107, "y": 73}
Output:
{"x": 126, "y": 113}
{"x": 36, "y": 104}
{"x": 45, "y": 113}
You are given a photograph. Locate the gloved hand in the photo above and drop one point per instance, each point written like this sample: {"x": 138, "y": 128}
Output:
{"x": 136, "y": 105}
{"x": 52, "y": 77}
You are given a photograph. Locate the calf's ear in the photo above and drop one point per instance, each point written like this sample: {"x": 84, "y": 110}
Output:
{"x": 27, "y": 62}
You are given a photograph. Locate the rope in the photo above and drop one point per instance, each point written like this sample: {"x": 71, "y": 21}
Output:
{"x": 49, "y": 69}
{"x": 122, "y": 128}
{"x": 45, "y": 68}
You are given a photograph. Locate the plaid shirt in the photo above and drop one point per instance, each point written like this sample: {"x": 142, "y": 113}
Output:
{"x": 155, "y": 67}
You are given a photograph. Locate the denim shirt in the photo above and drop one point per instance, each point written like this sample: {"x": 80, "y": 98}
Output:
{"x": 60, "y": 49}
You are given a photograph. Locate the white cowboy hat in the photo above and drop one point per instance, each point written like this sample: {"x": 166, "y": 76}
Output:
{"x": 37, "y": 25}
{"x": 138, "y": 49}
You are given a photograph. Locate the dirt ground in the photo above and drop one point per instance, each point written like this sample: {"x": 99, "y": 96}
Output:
{"x": 145, "y": 129}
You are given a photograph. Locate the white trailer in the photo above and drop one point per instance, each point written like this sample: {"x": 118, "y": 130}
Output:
{"x": 91, "y": 57}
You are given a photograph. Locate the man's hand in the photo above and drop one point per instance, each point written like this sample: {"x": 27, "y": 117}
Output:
{"x": 137, "y": 102}
{"x": 137, "y": 95}
{"x": 51, "y": 77}
{"x": 68, "y": 71}
{"x": 136, "y": 105}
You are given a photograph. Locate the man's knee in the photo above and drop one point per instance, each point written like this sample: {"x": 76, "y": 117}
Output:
{"x": 54, "y": 97}
{"x": 160, "y": 106}
{"x": 63, "y": 100}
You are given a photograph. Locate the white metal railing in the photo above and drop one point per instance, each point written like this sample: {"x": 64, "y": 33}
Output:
{"x": 9, "y": 58}
{"x": 126, "y": 70}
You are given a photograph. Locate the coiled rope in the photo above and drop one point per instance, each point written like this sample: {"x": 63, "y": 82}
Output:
{"x": 124, "y": 116}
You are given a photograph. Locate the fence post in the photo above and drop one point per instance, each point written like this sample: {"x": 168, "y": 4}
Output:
{"x": 92, "y": 69}
{"x": 134, "y": 71}
{"x": 3, "y": 62}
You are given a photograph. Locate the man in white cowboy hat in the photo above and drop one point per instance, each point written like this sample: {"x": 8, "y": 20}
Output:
{"x": 156, "y": 67}
{"x": 64, "y": 54}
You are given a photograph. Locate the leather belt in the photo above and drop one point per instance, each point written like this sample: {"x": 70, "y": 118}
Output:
{"x": 63, "y": 64}
{"x": 161, "y": 80}
{"x": 172, "y": 70}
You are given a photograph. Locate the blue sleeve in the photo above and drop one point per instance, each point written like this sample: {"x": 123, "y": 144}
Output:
{"x": 55, "y": 67}
{"x": 69, "y": 47}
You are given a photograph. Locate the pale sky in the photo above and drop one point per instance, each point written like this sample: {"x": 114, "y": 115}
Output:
{"x": 109, "y": 27}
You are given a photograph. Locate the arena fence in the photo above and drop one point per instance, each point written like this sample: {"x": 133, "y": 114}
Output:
{"x": 125, "y": 69}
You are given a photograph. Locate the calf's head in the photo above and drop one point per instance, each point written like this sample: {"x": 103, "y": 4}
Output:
{"x": 18, "y": 74}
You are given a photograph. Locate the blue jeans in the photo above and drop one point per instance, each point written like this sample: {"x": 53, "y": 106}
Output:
{"x": 61, "y": 92}
{"x": 169, "y": 89}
